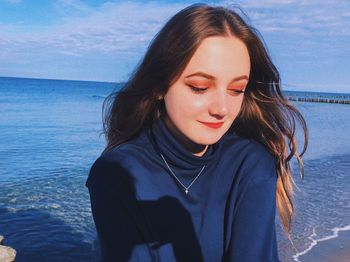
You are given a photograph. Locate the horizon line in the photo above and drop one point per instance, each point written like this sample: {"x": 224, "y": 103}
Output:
{"x": 109, "y": 82}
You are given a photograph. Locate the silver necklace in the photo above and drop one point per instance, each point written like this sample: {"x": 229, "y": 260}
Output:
{"x": 186, "y": 188}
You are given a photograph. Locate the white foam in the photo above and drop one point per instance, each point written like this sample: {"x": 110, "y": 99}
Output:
{"x": 314, "y": 241}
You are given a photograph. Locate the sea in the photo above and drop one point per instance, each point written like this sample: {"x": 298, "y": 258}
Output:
{"x": 51, "y": 133}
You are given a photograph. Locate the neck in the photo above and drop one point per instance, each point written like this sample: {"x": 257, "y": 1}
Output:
{"x": 196, "y": 149}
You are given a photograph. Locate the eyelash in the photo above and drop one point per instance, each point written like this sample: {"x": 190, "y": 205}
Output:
{"x": 201, "y": 90}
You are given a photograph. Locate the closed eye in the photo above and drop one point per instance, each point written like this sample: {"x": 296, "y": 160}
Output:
{"x": 199, "y": 90}
{"x": 196, "y": 89}
{"x": 236, "y": 91}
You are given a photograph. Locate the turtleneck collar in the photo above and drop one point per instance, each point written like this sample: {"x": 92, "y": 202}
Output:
{"x": 175, "y": 153}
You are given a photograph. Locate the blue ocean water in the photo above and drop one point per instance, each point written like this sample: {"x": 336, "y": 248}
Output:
{"x": 50, "y": 134}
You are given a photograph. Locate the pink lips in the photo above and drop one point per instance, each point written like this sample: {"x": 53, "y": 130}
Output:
{"x": 215, "y": 125}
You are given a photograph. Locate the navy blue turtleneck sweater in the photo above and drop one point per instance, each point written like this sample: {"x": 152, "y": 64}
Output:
{"x": 143, "y": 214}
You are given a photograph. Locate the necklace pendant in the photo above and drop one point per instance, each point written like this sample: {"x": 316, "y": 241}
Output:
{"x": 183, "y": 186}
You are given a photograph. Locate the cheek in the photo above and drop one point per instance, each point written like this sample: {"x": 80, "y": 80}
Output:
{"x": 236, "y": 105}
{"x": 196, "y": 103}
{"x": 184, "y": 105}
{"x": 193, "y": 107}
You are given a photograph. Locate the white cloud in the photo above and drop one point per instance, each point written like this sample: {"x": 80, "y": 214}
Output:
{"x": 117, "y": 27}
{"x": 299, "y": 17}
{"x": 113, "y": 28}
{"x": 124, "y": 29}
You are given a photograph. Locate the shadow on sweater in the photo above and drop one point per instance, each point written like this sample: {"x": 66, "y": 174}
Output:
{"x": 133, "y": 230}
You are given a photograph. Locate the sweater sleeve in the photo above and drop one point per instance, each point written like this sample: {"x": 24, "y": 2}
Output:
{"x": 253, "y": 235}
{"x": 114, "y": 207}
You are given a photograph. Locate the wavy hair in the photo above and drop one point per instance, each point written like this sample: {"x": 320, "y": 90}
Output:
{"x": 266, "y": 115}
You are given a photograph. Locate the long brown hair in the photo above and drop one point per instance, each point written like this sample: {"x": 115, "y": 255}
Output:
{"x": 266, "y": 115}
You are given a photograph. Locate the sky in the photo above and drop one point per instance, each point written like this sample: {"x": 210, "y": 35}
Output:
{"x": 308, "y": 40}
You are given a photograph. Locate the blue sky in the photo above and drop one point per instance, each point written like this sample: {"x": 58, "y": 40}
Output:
{"x": 309, "y": 41}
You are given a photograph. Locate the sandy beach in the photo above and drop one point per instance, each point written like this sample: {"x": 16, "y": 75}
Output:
{"x": 332, "y": 250}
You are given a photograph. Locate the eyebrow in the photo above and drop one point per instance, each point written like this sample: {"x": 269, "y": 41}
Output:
{"x": 202, "y": 74}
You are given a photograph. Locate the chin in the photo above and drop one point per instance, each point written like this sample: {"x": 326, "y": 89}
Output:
{"x": 208, "y": 140}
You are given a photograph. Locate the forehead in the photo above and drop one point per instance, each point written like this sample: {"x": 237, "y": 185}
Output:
{"x": 223, "y": 57}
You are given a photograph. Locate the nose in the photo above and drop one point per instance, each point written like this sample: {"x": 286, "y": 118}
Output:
{"x": 219, "y": 104}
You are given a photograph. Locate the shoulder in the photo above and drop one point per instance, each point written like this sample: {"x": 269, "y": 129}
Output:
{"x": 115, "y": 164}
{"x": 247, "y": 147}
{"x": 128, "y": 152}
{"x": 258, "y": 152}
{"x": 257, "y": 163}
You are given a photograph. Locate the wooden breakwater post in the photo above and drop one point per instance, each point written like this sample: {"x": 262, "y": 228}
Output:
{"x": 319, "y": 100}
{"x": 7, "y": 254}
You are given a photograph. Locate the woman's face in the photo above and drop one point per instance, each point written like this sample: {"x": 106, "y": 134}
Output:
{"x": 205, "y": 100}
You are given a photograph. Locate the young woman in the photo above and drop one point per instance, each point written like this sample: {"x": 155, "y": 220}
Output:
{"x": 199, "y": 144}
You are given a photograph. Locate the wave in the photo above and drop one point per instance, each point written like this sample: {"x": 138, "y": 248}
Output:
{"x": 314, "y": 242}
